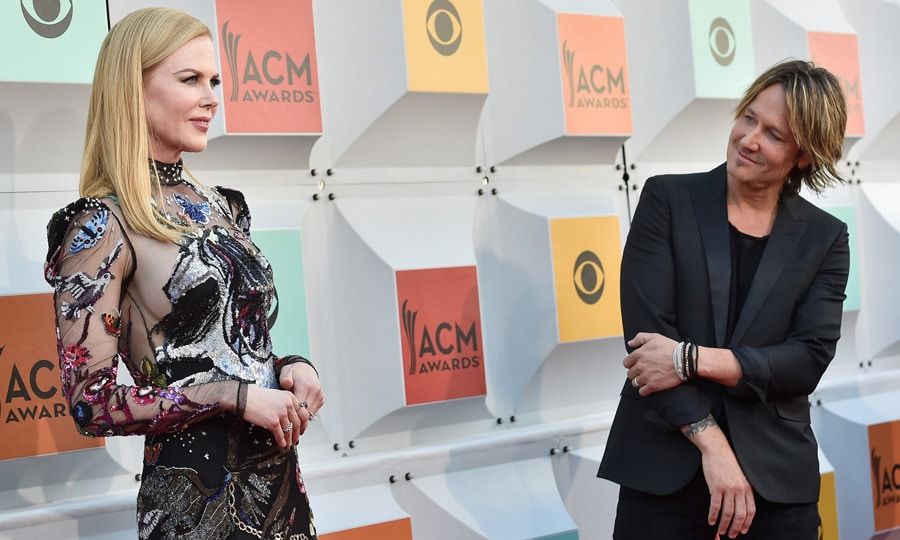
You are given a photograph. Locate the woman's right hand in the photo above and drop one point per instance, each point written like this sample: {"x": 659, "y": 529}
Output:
{"x": 276, "y": 411}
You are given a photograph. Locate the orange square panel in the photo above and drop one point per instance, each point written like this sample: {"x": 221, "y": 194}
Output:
{"x": 34, "y": 414}
{"x": 596, "y": 94}
{"x": 269, "y": 73}
{"x": 440, "y": 330}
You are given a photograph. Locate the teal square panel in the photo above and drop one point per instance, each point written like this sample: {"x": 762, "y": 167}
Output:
{"x": 290, "y": 333}
{"x": 722, "y": 44}
{"x": 847, "y": 214}
{"x": 51, "y": 42}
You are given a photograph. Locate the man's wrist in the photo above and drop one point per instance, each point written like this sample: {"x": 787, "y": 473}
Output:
{"x": 704, "y": 433}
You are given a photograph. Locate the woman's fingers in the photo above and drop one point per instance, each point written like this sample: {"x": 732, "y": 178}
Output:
{"x": 278, "y": 431}
{"x": 293, "y": 414}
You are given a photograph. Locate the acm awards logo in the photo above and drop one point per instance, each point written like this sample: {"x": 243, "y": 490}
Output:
{"x": 592, "y": 86}
{"x": 48, "y": 18}
{"x": 850, "y": 88}
{"x": 722, "y": 43}
{"x": 274, "y": 74}
{"x": 444, "y": 26}
{"x": 589, "y": 277}
{"x": 886, "y": 480}
{"x": 446, "y": 347}
{"x": 19, "y": 392}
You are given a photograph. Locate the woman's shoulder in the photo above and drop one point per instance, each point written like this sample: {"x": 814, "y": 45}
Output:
{"x": 80, "y": 225}
{"x": 95, "y": 211}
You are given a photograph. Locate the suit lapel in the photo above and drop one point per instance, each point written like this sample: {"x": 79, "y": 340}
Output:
{"x": 712, "y": 218}
{"x": 786, "y": 233}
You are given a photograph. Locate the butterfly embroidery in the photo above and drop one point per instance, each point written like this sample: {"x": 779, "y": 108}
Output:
{"x": 91, "y": 232}
{"x": 112, "y": 324}
{"x": 196, "y": 212}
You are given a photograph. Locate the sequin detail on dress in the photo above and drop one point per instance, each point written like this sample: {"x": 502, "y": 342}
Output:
{"x": 194, "y": 327}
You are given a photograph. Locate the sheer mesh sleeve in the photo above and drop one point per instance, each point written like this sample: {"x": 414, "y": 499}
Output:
{"x": 282, "y": 361}
{"x": 88, "y": 260}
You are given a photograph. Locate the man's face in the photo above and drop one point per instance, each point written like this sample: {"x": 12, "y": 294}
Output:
{"x": 761, "y": 148}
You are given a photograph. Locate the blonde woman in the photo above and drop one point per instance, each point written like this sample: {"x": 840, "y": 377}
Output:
{"x": 156, "y": 272}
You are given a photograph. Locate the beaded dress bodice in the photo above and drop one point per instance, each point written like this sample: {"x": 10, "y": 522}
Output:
{"x": 189, "y": 323}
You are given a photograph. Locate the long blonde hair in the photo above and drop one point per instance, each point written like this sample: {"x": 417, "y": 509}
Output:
{"x": 117, "y": 139}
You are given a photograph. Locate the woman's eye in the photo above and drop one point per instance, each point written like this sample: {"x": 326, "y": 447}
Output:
{"x": 190, "y": 80}
{"x": 215, "y": 82}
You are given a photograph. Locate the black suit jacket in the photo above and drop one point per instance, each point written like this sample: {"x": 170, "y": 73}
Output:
{"x": 676, "y": 276}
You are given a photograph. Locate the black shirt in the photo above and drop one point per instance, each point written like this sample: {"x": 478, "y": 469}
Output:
{"x": 746, "y": 251}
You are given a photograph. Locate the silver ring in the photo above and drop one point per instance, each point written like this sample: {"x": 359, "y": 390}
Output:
{"x": 288, "y": 429}
{"x": 303, "y": 405}
{"x": 312, "y": 416}
{"x": 635, "y": 383}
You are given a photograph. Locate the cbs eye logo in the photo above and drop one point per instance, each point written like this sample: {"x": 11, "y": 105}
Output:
{"x": 721, "y": 41}
{"x": 48, "y": 18}
{"x": 589, "y": 277}
{"x": 444, "y": 27}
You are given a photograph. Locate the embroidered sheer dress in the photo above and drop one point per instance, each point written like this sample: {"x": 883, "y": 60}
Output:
{"x": 189, "y": 322}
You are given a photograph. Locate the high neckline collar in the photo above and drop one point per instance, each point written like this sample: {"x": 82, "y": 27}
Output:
{"x": 168, "y": 173}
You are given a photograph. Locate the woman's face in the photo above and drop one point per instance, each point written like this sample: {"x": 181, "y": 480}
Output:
{"x": 179, "y": 100}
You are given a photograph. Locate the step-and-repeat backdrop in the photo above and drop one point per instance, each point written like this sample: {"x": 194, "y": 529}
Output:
{"x": 443, "y": 188}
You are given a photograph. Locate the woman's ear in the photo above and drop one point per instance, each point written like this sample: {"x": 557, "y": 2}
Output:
{"x": 804, "y": 161}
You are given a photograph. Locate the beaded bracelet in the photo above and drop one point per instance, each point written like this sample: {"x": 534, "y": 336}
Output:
{"x": 676, "y": 364}
{"x": 686, "y": 360}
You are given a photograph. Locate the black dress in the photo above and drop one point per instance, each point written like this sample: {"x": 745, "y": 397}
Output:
{"x": 189, "y": 322}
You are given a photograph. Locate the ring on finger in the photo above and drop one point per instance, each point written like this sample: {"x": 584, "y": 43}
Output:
{"x": 635, "y": 383}
{"x": 288, "y": 429}
{"x": 312, "y": 416}
{"x": 303, "y": 405}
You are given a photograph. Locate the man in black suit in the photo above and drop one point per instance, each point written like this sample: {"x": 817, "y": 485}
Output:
{"x": 732, "y": 294}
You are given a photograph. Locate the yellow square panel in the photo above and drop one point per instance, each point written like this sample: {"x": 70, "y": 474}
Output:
{"x": 445, "y": 49}
{"x": 587, "y": 256}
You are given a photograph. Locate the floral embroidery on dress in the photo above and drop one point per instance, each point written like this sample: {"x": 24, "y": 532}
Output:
{"x": 207, "y": 473}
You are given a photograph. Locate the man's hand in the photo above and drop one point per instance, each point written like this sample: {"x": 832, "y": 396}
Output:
{"x": 303, "y": 381}
{"x": 650, "y": 363}
{"x": 730, "y": 494}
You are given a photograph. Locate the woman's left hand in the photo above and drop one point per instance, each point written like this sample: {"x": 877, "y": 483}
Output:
{"x": 650, "y": 363}
{"x": 303, "y": 381}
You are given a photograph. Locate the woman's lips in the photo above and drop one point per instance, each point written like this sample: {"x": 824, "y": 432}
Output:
{"x": 201, "y": 124}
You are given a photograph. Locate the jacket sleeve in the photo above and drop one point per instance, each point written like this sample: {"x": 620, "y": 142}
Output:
{"x": 89, "y": 258}
{"x": 794, "y": 367}
{"x": 649, "y": 299}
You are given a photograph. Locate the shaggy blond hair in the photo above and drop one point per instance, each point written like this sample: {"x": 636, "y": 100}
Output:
{"x": 817, "y": 115}
{"x": 117, "y": 139}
